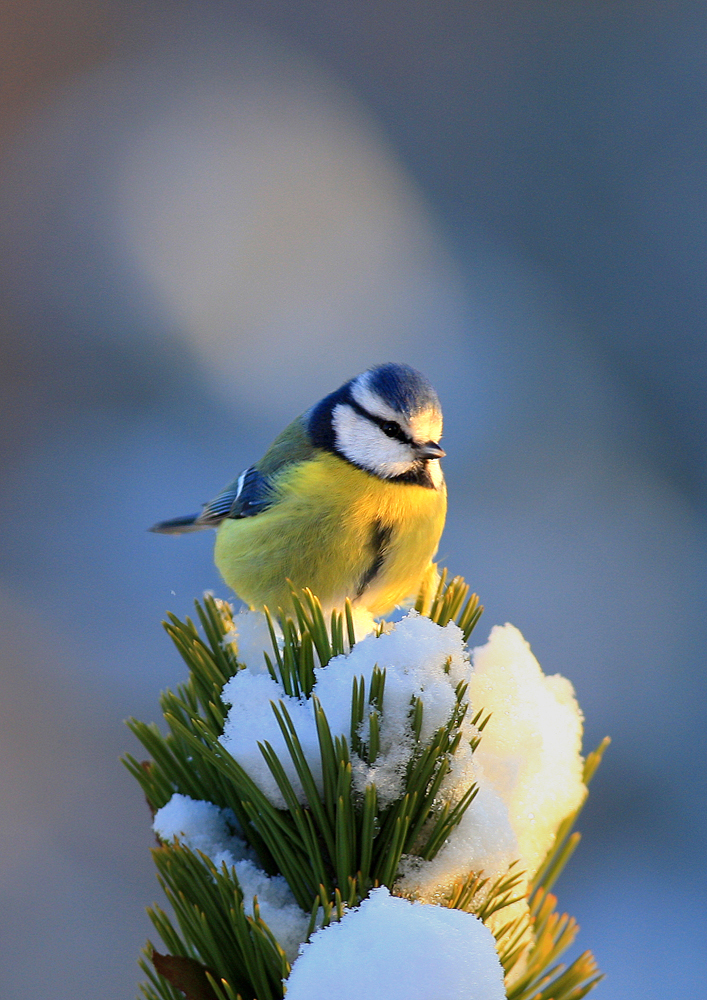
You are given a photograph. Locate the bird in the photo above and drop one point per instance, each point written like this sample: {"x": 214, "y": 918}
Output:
{"x": 349, "y": 501}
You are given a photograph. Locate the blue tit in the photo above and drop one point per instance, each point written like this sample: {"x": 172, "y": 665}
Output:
{"x": 349, "y": 500}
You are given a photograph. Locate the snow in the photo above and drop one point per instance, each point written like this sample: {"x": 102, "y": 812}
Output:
{"x": 530, "y": 753}
{"x": 202, "y": 826}
{"x": 391, "y": 949}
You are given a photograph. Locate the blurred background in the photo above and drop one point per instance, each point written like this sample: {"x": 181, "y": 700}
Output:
{"x": 213, "y": 214}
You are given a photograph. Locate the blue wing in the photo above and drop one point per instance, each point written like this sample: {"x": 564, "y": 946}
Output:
{"x": 247, "y": 496}
{"x": 250, "y": 494}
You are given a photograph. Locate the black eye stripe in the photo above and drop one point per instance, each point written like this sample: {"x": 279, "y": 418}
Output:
{"x": 389, "y": 427}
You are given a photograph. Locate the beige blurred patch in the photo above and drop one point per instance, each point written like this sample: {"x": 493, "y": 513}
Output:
{"x": 278, "y": 230}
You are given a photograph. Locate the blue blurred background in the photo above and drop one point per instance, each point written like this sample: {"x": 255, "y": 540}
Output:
{"x": 211, "y": 215}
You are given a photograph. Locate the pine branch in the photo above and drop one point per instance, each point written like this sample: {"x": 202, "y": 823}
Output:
{"x": 333, "y": 845}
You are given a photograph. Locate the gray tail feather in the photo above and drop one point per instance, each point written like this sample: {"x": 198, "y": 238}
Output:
{"x": 180, "y": 525}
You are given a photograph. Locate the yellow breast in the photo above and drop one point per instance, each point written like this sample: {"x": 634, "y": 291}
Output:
{"x": 338, "y": 530}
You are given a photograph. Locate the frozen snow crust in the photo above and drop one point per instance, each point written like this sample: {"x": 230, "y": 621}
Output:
{"x": 528, "y": 770}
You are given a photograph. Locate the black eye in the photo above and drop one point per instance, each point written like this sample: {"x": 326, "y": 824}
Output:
{"x": 390, "y": 428}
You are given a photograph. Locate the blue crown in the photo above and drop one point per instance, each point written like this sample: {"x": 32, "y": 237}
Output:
{"x": 403, "y": 389}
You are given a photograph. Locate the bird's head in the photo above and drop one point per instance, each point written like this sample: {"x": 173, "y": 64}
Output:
{"x": 387, "y": 421}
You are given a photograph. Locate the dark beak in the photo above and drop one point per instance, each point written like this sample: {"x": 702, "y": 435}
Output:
{"x": 430, "y": 450}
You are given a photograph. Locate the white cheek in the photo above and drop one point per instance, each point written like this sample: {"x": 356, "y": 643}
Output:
{"x": 365, "y": 444}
